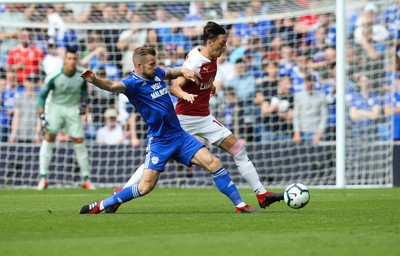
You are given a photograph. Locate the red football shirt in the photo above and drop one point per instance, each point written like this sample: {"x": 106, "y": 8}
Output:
{"x": 31, "y": 57}
{"x": 207, "y": 69}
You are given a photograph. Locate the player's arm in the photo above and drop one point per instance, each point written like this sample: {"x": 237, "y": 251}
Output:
{"x": 84, "y": 99}
{"x": 44, "y": 92}
{"x": 172, "y": 73}
{"x": 103, "y": 83}
{"x": 177, "y": 91}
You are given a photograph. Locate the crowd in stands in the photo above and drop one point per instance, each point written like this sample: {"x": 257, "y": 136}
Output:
{"x": 276, "y": 81}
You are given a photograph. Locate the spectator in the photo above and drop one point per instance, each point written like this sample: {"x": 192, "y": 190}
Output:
{"x": 25, "y": 58}
{"x": 316, "y": 53}
{"x": 111, "y": 133}
{"x": 277, "y": 111}
{"x": 392, "y": 107}
{"x": 324, "y": 21}
{"x": 273, "y": 51}
{"x": 9, "y": 34}
{"x": 25, "y": 126}
{"x": 231, "y": 111}
{"x": 175, "y": 41}
{"x": 129, "y": 40}
{"x": 96, "y": 12}
{"x": 110, "y": 35}
{"x": 92, "y": 58}
{"x": 309, "y": 114}
{"x": 253, "y": 56}
{"x": 111, "y": 70}
{"x": 66, "y": 37}
{"x": 262, "y": 29}
{"x": 284, "y": 28}
{"x": 197, "y": 14}
{"x": 371, "y": 48}
{"x": 306, "y": 23}
{"x": 159, "y": 23}
{"x": 365, "y": 109}
{"x": 8, "y": 96}
{"x": 244, "y": 85}
{"x": 80, "y": 12}
{"x": 93, "y": 46}
{"x": 328, "y": 84}
{"x": 127, "y": 116}
{"x": 153, "y": 40}
{"x": 124, "y": 14}
{"x": 100, "y": 101}
{"x": 368, "y": 15}
{"x": 289, "y": 67}
{"x": 52, "y": 61}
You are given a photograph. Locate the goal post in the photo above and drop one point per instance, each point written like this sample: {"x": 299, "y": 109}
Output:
{"x": 277, "y": 42}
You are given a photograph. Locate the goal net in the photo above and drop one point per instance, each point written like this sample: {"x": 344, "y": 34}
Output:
{"x": 276, "y": 52}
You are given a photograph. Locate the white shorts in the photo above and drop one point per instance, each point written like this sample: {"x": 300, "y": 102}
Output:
{"x": 206, "y": 127}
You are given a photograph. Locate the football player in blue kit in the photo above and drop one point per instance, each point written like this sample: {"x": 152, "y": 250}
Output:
{"x": 147, "y": 92}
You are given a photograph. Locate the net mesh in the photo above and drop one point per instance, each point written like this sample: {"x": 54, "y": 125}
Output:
{"x": 274, "y": 50}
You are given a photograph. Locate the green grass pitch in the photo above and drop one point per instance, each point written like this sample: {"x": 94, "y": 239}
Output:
{"x": 199, "y": 222}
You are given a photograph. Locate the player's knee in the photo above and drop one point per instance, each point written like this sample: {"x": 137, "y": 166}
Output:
{"x": 145, "y": 188}
{"x": 214, "y": 164}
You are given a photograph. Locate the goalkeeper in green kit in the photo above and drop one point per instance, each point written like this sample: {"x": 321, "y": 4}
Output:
{"x": 62, "y": 108}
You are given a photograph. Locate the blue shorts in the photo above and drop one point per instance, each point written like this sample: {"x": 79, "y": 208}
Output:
{"x": 180, "y": 147}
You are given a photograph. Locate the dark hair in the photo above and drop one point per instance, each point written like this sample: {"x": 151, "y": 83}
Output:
{"x": 70, "y": 50}
{"x": 212, "y": 30}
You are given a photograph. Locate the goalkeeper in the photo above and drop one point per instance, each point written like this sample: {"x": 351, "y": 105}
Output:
{"x": 64, "y": 107}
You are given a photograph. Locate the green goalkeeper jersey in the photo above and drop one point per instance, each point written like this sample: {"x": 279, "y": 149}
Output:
{"x": 65, "y": 90}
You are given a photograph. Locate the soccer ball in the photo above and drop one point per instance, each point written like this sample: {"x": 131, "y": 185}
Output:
{"x": 296, "y": 195}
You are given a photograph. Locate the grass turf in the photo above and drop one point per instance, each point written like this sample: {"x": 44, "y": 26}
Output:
{"x": 199, "y": 222}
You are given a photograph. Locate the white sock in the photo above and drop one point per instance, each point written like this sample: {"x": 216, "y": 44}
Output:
{"x": 82, "y": 157}
{"x": 242, "y": 204}
{"x": 46, "y": 152}
{"x": 136, "y": 177}
{"x": 248, "y": 171}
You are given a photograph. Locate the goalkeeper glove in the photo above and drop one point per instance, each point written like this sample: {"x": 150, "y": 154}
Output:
{"x": 44, "y": 123}
{"x": 82, "y": 107}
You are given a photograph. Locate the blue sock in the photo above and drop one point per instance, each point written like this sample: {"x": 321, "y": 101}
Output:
{"x": 225, "y": 184}
{"x": 122, "y": 196}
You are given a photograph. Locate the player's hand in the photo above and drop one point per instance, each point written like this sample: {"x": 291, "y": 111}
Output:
{"x": 191, "y": 75}
{"x": 88, "y": 75}
{"x": 43, "y": 122}
{"x": 189, "y": 97}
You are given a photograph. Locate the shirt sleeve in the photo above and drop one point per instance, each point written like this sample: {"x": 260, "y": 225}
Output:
{"x": 47, "y": 87}
{"x": 84, "y": 91}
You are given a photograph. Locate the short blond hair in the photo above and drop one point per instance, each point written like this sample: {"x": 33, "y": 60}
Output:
{"x": 143, "y": 51}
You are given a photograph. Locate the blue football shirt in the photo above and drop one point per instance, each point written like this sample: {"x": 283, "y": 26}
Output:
{"x": 152, "y": 100}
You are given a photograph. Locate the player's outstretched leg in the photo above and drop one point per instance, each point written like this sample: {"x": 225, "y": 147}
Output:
{"x": 268, "y": 198}
{"x": 122, "y": 196}
{"x": 249, "y": 173}
{"x": 134, "y": 180}
{"x": 113, "y": 208}
{"x": 225, "y": 184}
